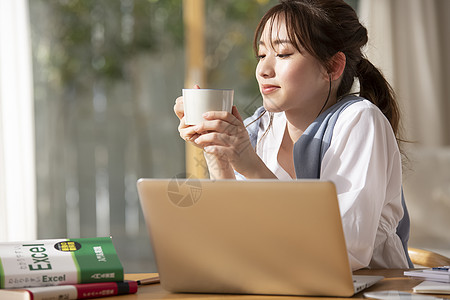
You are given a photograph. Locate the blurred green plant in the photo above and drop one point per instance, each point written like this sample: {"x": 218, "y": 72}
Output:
{"x": 95, "y": 38}
{"x": 100, "y": 35}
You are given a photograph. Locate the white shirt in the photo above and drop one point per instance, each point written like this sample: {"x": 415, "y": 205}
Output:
{"x": 364, "y": 162}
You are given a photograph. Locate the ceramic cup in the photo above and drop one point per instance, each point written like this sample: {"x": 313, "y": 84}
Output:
{"x": 199, "y": 101}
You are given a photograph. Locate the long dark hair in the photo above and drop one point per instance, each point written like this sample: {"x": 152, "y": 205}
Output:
{"x": 324, "y": 28}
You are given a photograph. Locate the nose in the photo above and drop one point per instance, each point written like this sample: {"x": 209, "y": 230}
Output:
{"x": 265, "y": 68}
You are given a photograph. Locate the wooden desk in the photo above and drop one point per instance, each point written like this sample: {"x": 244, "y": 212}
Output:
{"x": 394, "y": 280}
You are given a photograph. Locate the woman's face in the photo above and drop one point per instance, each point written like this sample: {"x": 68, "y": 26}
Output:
{"x": 289, "y": 80}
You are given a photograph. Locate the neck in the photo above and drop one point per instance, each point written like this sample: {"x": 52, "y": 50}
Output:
{"x": 299, "y": 120}
{"x": 293, "y": 133}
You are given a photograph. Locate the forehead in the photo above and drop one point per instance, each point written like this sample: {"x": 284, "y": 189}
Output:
{"x": 274, "y": 30}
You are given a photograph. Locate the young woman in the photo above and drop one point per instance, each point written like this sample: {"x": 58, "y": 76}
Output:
{"x": 310, "y": 126}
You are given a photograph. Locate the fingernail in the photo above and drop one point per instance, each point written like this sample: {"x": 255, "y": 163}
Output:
{"x": 205, "y": 115}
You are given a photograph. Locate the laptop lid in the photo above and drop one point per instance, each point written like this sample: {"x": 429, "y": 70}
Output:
{"x": 247, "y": 237}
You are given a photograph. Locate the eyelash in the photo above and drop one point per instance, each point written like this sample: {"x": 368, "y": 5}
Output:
{"x": 259, "y": 57}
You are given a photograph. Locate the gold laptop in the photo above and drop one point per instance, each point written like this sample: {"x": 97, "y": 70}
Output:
{"x": 248, "y": 237}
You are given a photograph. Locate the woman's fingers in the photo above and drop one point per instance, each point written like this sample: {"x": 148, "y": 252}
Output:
{"x": 214, "y": 138}
{"x": 178, "y": 108}
{"x": 221, "y": 133}
{"x": 221, "y": 128}
{"x": 187, "y": 135}
{"x": 235, "y": 113}
{"x": 222, "y": 115}
{"x": 186, "y": 131}
{"x": 217, "y": 126}
{"x": 236, "y": 143}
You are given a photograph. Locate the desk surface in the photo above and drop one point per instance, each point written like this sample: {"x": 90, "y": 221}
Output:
{"x": 394, "y": 280}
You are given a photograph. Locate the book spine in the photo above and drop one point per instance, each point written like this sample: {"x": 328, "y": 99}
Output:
{"x": 58, "y": 262}
{"x": 83, "y": 291}
{"x": 97, "y": 261}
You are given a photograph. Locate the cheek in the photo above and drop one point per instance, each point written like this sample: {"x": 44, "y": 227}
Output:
{"x": 303, "y": 74}
{"x": 257, "y": 72}
{"x": 293, "y": 74}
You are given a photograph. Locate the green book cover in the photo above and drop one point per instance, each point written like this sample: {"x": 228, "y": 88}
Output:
{"x": 58, "y": 262}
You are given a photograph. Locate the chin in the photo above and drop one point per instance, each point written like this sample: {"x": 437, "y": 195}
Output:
{"x": 271, "y": 106}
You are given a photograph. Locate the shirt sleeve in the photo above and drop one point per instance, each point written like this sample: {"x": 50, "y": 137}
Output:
{"x": 363, "y": 162}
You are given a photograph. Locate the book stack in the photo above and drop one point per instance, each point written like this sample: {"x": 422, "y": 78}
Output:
{"x": 62, "y": 269}
{"x": 436, "y": 280}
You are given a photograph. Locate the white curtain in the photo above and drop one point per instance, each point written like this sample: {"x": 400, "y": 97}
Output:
{"x": 17, "y": 164}
{"x": 410, "y": 41}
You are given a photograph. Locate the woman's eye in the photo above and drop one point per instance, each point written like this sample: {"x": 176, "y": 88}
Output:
{"x": 260, "y": 56}
{"x": 284, "y": 55}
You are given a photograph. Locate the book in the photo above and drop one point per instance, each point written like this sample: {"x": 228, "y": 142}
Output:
{"x": 71, "y": 292}
{"x": 431, "y": 274}
{"x": 432, "y": 287}
{"x": 438, "y": 270}
{"x": 58, "y": 262}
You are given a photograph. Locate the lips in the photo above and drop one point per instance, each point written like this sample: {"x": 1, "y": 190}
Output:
{"x": 269, "y": 88}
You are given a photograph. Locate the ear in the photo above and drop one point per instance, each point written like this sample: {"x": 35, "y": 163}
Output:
{"x": 337, "y": 65}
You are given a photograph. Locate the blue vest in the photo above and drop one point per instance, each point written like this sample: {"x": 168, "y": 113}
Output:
{"x": 311, "y": 147}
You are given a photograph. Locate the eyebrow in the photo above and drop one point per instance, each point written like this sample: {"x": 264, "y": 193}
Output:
{"x": 275, "y": 42}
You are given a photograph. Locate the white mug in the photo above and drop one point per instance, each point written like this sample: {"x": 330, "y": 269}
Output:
{"x": 199, "y": 101}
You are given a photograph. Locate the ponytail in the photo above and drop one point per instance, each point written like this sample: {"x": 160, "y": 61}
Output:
{"x": 374, "y": 87}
